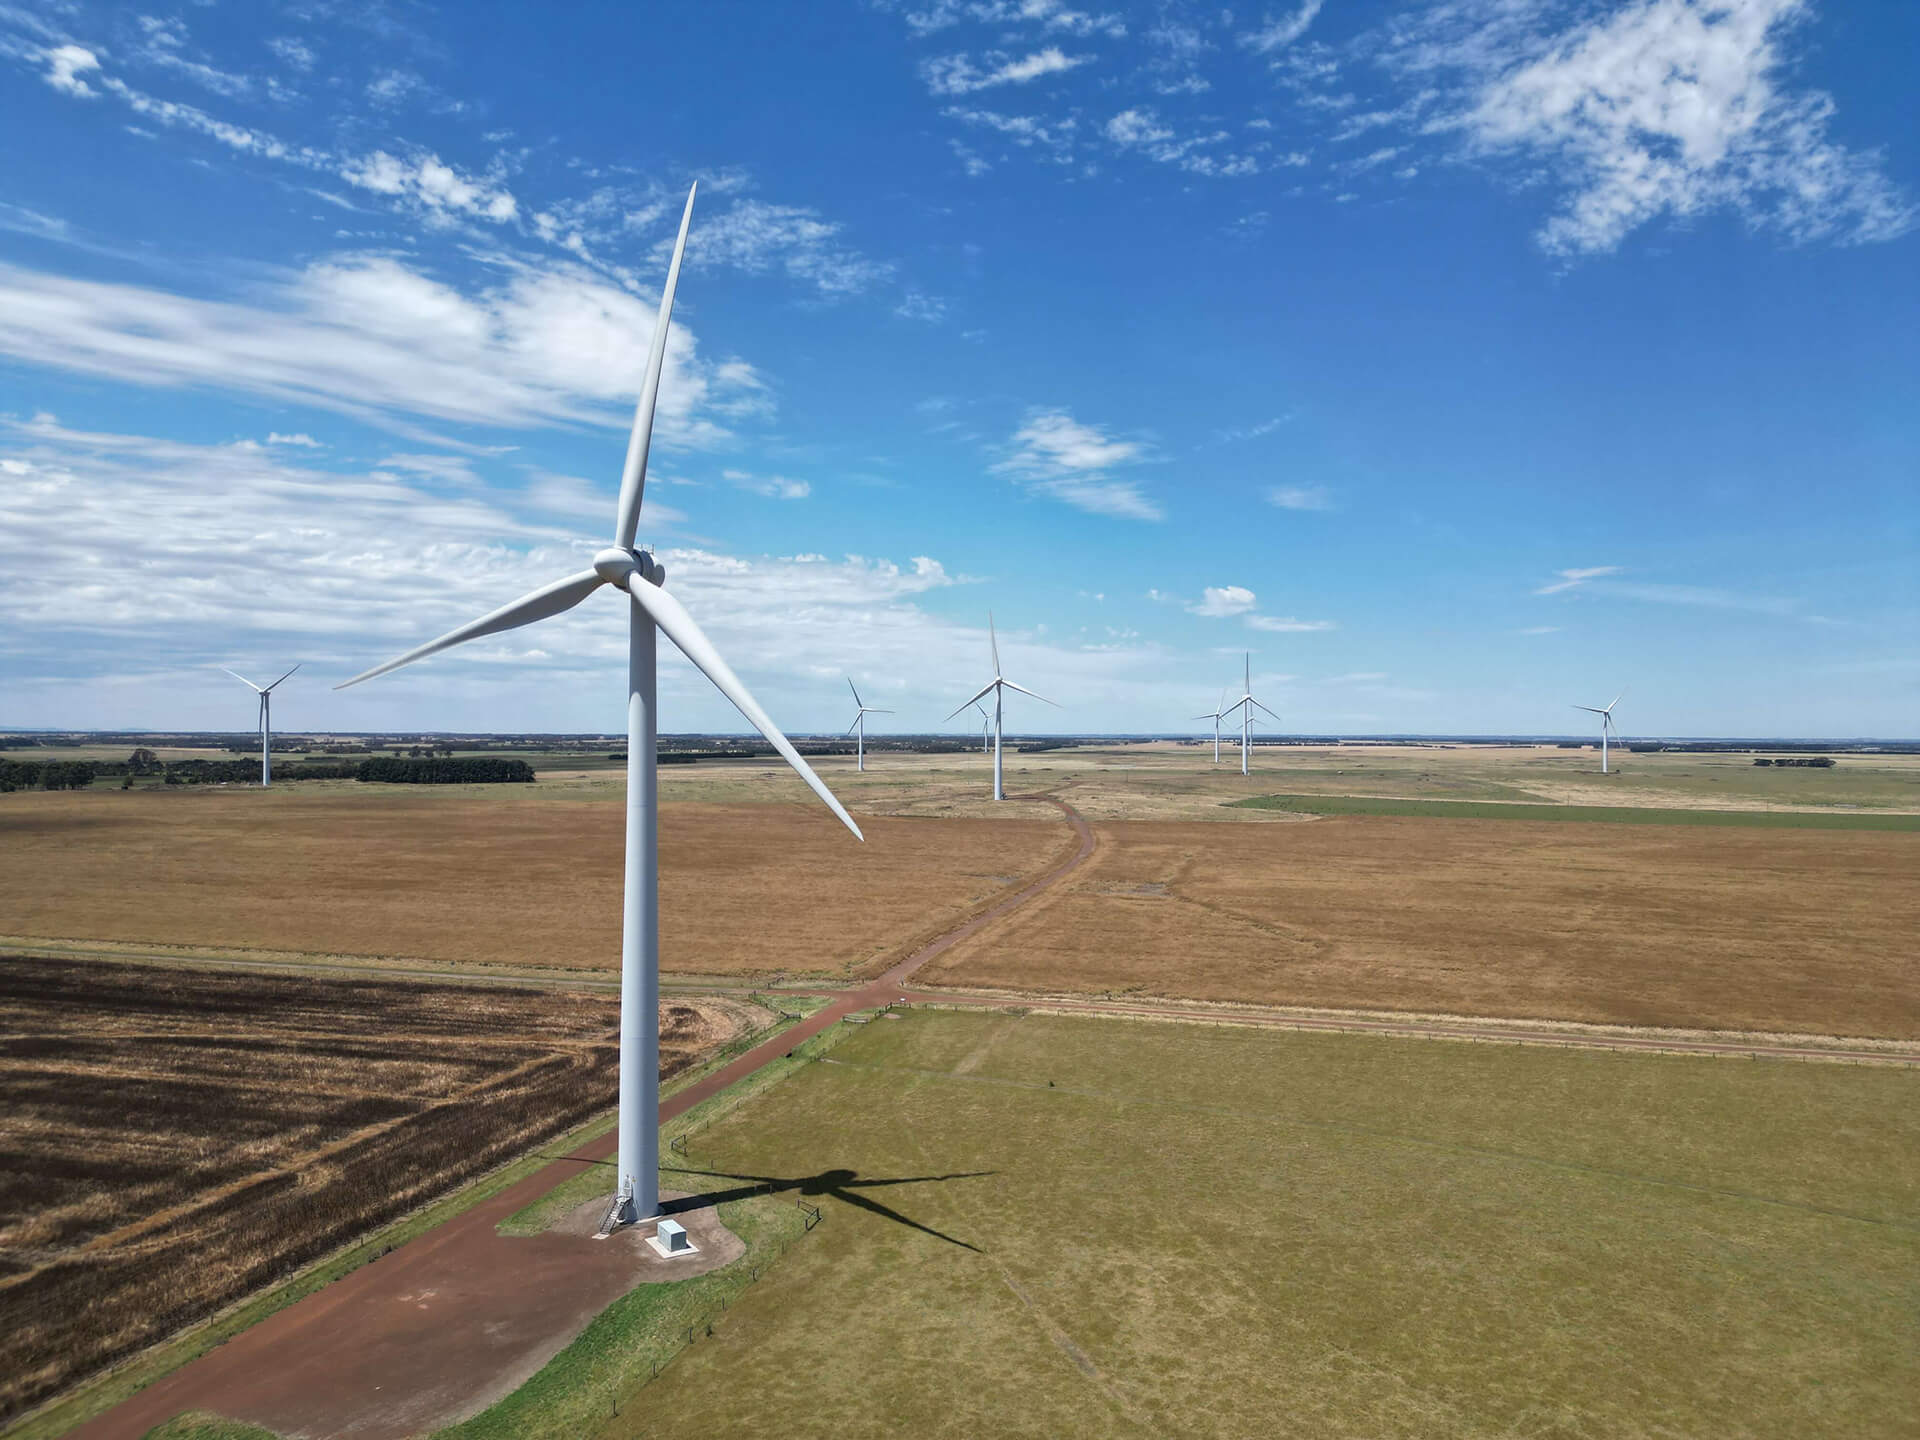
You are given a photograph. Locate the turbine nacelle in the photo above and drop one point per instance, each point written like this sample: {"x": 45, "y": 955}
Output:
{"x": 617, "y": 567}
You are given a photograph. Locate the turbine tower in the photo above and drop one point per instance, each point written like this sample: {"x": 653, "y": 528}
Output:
{"x": 649, "y": 607}
{"x": 1216, "y": 715}
{"x": 859, "y": 725}
{"x": 997, "y": 686}
{"x": 265, "y": 692}
{"x": 1606, "y": 726}
{"x": 1246, "y": 705}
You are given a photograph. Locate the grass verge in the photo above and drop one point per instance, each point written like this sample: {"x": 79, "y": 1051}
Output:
{"x": 1618, "y": 815}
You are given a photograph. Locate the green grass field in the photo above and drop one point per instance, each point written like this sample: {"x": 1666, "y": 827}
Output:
{"x": 1607, "y": 814}
{"x": 1142, "y": 1229}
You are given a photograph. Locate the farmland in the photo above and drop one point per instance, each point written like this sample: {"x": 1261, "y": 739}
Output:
{"x": 492, "y": 875}
{"x": 1796, "y": 930}
{"x": 1196, "y": 1230}
{"x": 176, "y": 1138}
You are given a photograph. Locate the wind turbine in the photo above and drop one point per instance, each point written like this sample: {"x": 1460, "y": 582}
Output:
{"x": 986, "y": 727}
{"x": 1246, "y": 705}
{"x": 265, "y": 692}
{"x": 650, "y": 607}
{"x": 997, "y": 686}
{"x": 860, "y": 723}
{"x": 1606, "y": 726}
{"x": 1218, "y": 714}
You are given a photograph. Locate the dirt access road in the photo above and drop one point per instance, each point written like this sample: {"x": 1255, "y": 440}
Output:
{"x": 412, "y": 1342}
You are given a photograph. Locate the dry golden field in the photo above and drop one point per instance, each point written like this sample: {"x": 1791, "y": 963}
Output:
{"x": 1787, "y": 930}
{"x": 493, "y": 875}
{"x": 174, "y": 1138}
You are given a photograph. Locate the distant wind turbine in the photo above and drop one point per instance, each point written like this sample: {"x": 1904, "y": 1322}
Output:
{"x": 265, "y": 692}
{"x": 637, "y": 1178}
{"x": 1246, "y": 705}
{"x": 1216, "y": 715}
{"x": 859, "y": 725}
{"x": 986, "y": 728}
{"x": 996, "y": 687}
{"x": 1606, "y": 726}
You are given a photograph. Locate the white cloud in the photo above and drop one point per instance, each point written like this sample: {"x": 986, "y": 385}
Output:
{"x": 1280, "y": 32}
{"x": 958, "y": 75}
{"x": 1300, "y": 497}
{"x": 1056, "y": 455}
{"x": 300, "y": 438}
{"x": 1220, "y": 601}
{"x": 1539, "y": 630}
{"x": 371, "y": 337}
{"x": 432, "y": 184}
{"x": 1573, "y": 579}
{"x": 1657, "y": 108}
{"x": 66, "y": 64}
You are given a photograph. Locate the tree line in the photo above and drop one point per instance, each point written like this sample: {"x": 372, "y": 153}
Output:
{"x": 468, "y": 770}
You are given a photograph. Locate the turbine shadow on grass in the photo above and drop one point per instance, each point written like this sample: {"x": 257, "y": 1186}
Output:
{"x": 837, "y": 1184}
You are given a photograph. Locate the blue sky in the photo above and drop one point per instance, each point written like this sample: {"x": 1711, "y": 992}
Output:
{"x": 1461, "y": 360}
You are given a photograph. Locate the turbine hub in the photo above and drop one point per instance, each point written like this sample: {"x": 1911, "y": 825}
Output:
{"x": 614, "y": 565}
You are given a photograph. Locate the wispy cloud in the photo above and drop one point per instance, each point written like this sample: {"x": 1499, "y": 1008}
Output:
{"x": 1281, "y": 31}
{"x": 1539, "y": 630}
{"x": 1300, "y": 497}
{"x": 1660, "y": 107}
{"x": 372, "y": 337}
{"x": 1287, "y": 624}
{"x": 1574, "y": 579}
{"x": 1056, "y": 455}
{"x": 773, "y": 487}
{"x": 958, "y": 75}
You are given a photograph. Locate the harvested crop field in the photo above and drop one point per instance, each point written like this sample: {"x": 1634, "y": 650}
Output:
{"x": 176, "y": 1138}
{"x": 471, "y": 875}
{"x": 1782, "y": 930}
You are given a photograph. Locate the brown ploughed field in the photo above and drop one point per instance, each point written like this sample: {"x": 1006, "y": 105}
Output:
{"x": 1782, "y": 930}
{"x": 173, "y": 1139}
{"x": 495, "y": 875}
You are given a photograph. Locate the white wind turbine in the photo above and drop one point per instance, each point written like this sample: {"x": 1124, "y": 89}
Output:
{"x": 1218, "y": 714}
{"x": 1246, "y": 705}
{"x": 986, "y": 727}
{"x": 996, "y": 687}
{"x": 859, "y": 725}
{"x": 642, "y": 577}
{"x": 1606, "y": 726}
{"x": 265, "y": 692}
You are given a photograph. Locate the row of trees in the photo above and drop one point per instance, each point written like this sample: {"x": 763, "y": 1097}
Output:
{"x": 1811, "y": 762}
{"x": 471, "y": 770}
{"x": 46, "y": 774}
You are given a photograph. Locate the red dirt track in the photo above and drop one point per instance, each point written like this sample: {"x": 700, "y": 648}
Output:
{"x": 462, "y": 1314}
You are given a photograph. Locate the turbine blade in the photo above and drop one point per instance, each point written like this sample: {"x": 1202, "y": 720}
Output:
{"x": 546, "y": 601}
{"x": 1591, "y": 710}
{"x": 1616, "y": 700}
{"x": 855, "y": 726}
{"x": 633, "y": 475}
{"x": 1024, "y": 691}
{"x": 269, "y": 687}
{"x": 1269, "y": 712}
{"x": 994, "y": 641}
{"x": 871, "y": 710}
{"x": 671, "y": 617}
{"x": 858, "y": 702}
{"x": 975, "y": 699}
{"x": 243, "y": 680}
